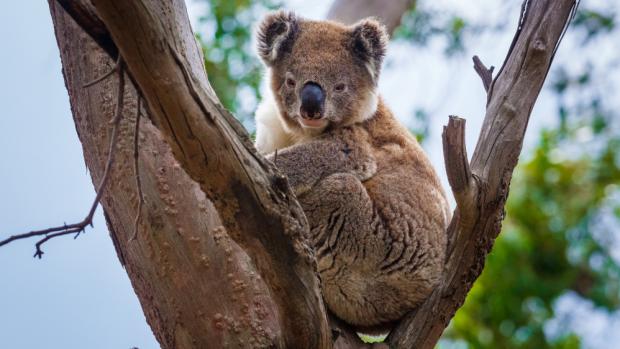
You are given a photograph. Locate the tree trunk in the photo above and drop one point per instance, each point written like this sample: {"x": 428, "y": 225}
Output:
{"x": 198, "y": 287}
{"x": 351, "y": 11}
{"x": 181, "y": 246}
{"x": 220, "y": 258}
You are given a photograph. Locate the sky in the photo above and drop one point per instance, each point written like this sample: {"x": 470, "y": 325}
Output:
{"x": 78, "y": 295}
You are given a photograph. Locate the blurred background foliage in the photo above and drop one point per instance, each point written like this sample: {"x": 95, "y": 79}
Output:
{"x": 560, "y": 235}
{"x": 559, "y": 238}
{"x": 225, "y": 32}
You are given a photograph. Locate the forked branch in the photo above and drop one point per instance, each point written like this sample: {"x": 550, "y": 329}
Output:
{"x": 206, "y": 143}
{"x": 214, "y": 150}
{"x": 481, "y": 187}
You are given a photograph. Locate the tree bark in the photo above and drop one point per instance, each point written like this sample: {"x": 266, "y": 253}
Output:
{"x": 481, "y": 187}
{"x": 181, "y": 247}
{"x": 220, "y": 258}
{"x": 255, "y": 204}
{"x": 198, "y": 287}
{"x": 388, "y": 12}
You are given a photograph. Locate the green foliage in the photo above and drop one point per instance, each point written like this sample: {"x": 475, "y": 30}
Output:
{"x": 551, "y": 243}
{"x": 594, "y": 23}
{"x": 561, "y": 217}
{"x": 420, "y": 130}
{"x": 233, "y": 68}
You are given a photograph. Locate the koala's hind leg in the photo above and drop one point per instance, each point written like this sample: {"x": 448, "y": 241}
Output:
{"x": 343, "y": 227}
{"x": 340, "y": 213}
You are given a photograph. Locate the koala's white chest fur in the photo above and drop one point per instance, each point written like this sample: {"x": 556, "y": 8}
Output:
{"x": 271, "y": 132}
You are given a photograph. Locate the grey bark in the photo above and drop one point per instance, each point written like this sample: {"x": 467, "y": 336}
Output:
{"x": 481, "y": 189}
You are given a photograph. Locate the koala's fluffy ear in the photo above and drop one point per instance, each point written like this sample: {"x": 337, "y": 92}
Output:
{"x": 369, "y": 40}
{"x": 276, "y": 35}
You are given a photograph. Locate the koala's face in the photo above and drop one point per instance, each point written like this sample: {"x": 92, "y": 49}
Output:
{"x": 323, "y": 74}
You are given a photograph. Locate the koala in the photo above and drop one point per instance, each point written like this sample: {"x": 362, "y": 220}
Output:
{"x": 376, "y": 209}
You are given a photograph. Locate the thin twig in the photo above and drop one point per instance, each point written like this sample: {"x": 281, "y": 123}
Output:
{"x": 104, "y": 76}
{"x": 486, "y": 74}
{"x": 136, "y": 154}
{"x": 79, "y": 227}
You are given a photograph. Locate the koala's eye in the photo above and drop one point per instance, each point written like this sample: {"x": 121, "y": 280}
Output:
{"x": 340, "y": 87}
{"x": 290, "y": 82}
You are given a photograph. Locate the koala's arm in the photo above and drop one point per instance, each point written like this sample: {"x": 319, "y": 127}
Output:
{"x": 306, "y": 164}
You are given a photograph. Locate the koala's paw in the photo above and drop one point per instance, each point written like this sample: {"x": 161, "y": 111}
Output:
{"x": 365, "y": 170}
{"x": 298, "y": 188}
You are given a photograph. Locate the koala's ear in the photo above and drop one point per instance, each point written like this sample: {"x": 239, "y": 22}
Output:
{"x": 276, "y": 35}
{"x": 369, "y": 40}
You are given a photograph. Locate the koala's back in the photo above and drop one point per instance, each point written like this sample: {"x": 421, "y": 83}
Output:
{"x": 380, "y": 243}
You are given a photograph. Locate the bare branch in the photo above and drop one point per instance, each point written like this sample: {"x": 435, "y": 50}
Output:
{"x": 78, "y": 228}
{"x": 457, "y": 167}
{"x": 102, "y": 77}
{"x": 482, "y": 187}
{"x": 455, "y": 155}
{"x": 486, "y": 74}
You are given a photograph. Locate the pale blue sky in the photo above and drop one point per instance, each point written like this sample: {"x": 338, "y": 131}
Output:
{"x": 79, "y": 296}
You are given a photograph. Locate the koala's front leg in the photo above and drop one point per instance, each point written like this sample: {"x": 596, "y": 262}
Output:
{"x": 306, "y": 164}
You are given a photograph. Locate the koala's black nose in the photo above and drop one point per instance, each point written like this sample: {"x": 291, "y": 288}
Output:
{"x": 312, "y": 101}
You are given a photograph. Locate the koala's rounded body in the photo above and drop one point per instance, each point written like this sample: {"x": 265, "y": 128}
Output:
{"x": 376, "y": 209}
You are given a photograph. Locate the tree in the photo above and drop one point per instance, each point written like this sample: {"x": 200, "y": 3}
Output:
{"x": 213, "y": 209}
{"x": 558, "y": 239}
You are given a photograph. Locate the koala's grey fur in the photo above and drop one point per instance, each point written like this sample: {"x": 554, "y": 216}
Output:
{"x": 377, "y": 212}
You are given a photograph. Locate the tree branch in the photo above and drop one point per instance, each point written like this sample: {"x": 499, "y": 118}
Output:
{"x": 216, "y": 152}
{"x": 486, "y": 74}
{"x": 511, "y": 99}
{"x": 464, "y": 187}
{"x": 388, "y": 12}
{"x": 84, "y": 14}
{"x": 197, "y": 287}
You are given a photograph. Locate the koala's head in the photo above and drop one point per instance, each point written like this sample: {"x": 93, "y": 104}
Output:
{"x": 323, "y": 74}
